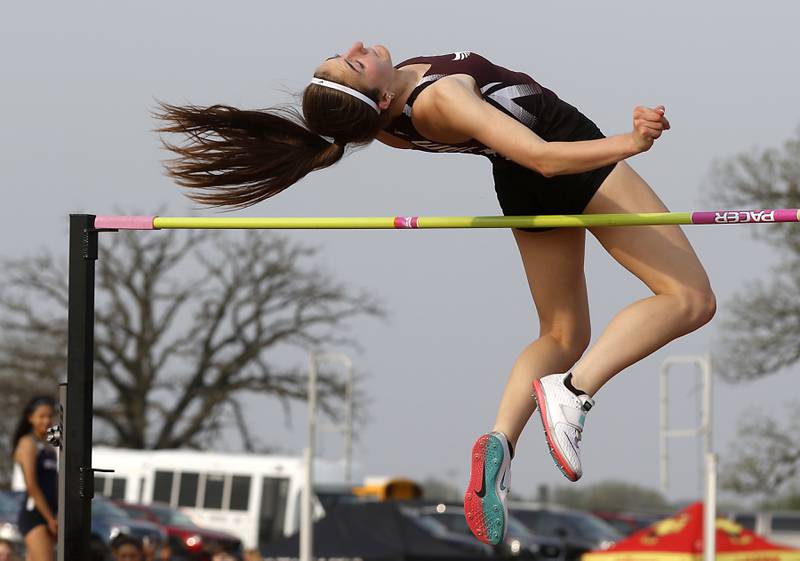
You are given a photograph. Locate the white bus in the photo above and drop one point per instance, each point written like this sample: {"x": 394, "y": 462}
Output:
{"x": 782, "y": 527}
{"x": 255, "y": 497}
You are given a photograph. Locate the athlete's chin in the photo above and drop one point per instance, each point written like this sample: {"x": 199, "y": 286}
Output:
{"x": 384, "y": 52}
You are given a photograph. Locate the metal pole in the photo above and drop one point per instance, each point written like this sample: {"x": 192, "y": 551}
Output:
{"x": 703, "y": 429}
{"x": 708, "y": 380}
{"x": 347, "y": 429}
{"x": 62, "y": 480}
{"x": 710, "y": 509}
{"x": 664, "y": 450}
{"x": 306, "y": 521}
{"x": 710, "y": 506}
{"x": 74, "y": 509}
{"x": 306, "y": 512}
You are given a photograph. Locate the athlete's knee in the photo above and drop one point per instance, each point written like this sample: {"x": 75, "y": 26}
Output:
{"x": 573, "y": 339}
{"x": 709, "y": 306}
{"x": 697, "y": 306}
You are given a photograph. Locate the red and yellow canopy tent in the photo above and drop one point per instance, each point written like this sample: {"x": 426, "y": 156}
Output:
{"x": 680, "y": 538}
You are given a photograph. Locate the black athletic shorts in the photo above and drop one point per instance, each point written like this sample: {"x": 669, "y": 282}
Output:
{"x": 522, "y": 191}
{"x": 29, "y": 517}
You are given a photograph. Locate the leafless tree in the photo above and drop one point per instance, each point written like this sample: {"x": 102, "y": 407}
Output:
{"x": 765, "y": 459}
{"x": 761, "y": 324}
{"x": 186, "y": 324}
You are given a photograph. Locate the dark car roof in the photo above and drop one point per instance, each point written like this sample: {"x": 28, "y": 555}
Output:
{"x": 158, "y": 507}
{"x": 112, "y": 515}
{"x": 591, "y": 527}
{"x": 372, "y": 530}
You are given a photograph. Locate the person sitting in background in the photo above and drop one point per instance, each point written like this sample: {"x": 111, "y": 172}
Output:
{"x": 127, "y": 548}
{"x": 7, "y": 551}
{"x": 253, "y": 555}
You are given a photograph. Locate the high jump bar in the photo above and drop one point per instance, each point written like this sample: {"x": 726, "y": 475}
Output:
{"x": 423, "y": 222}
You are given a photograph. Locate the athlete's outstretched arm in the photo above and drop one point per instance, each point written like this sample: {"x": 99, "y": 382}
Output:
{"x": 453, "y": 107}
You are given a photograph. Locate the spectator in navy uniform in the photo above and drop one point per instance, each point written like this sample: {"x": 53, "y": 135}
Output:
{"x": 38, "y": 460}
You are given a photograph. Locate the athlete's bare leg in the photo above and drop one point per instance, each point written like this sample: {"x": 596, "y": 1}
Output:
{"x": 663, "y": 259}
{"x": 660, "y": 256}
{"x": 39, "y": 544}
{"x": 553, "y": 262}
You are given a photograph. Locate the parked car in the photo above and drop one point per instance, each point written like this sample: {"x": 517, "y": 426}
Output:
{"x": 519, "y": 541}
{"x": 10, "y": 503}
{"x": 629, "y": 522}
{"x": 441, "y": 532}
{"x": 108, "y": 521}
{"x": 187, "y": 540}
{"x": 578, "y": 531}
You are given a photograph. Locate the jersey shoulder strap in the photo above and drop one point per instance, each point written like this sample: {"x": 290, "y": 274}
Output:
{"x": 441, "y": 66}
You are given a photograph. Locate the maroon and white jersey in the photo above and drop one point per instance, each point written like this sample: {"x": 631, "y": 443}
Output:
{"x": 515, "y": 93}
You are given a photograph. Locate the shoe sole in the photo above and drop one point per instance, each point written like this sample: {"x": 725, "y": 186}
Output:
{"x": 486, "y": 517}
{"x": 558, "y": 458}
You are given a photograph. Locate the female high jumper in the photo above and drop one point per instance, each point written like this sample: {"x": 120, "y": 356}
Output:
{"x": 547, "y": 158}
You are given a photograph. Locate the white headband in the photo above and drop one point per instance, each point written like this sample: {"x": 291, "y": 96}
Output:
{"x": 350, "y": 91}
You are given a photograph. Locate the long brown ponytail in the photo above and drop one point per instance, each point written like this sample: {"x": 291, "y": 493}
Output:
{"x": 236, "y": 158}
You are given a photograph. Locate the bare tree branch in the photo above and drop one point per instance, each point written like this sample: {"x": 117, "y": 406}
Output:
{"x": 760, "y": 324}
{"x": 766, "y": 456}
{"x": 186, "y": 324}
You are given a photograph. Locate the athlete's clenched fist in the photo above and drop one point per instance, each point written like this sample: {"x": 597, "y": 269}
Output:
{"x": 648, "y": 124}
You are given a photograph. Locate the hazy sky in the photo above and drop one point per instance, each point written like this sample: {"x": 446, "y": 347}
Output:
{"x": 79, "y": 78}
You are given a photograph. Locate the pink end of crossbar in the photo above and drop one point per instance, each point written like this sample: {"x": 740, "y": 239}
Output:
{"x": 124, "y": 222}
{"x": 404, "y": 222}
{"x": 745, "y": 216}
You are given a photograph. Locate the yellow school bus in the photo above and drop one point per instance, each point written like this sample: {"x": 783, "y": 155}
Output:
{"x": 388, "y": 489}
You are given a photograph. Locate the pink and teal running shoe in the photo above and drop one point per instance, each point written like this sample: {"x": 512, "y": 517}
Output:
{"x": 485, "y": 500}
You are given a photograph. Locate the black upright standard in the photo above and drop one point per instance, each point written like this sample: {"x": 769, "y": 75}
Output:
{"x": 76, "y": 481}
